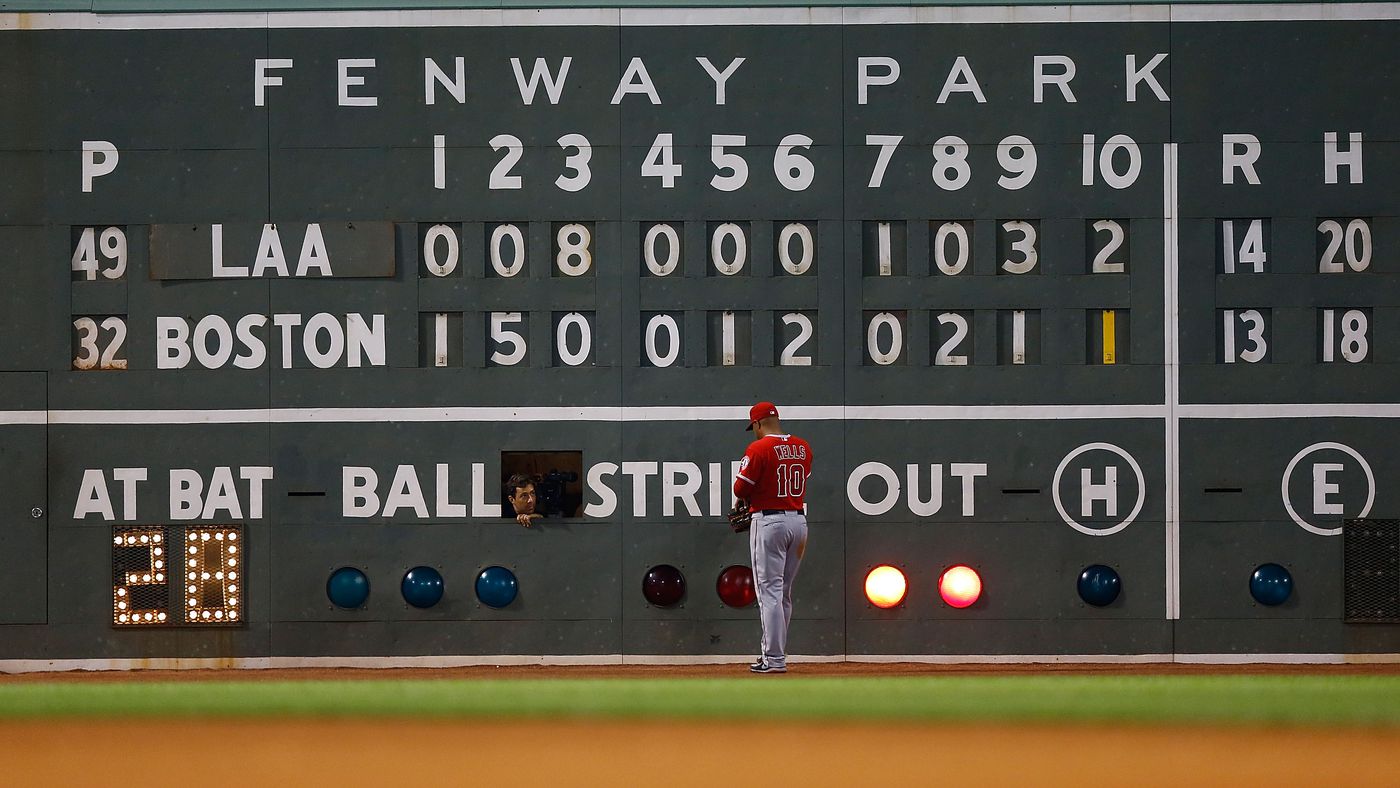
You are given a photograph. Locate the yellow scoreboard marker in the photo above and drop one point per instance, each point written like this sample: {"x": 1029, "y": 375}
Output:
{"x": 1110, "y": 342}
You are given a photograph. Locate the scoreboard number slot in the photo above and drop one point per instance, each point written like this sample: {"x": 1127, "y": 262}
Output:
{"x": 1345, "y": 335}
{"x": 1344, "y": 247}
{"x": 729, "y": 247}
{"x": 661, "y": 249}
{"x": 573, "y": 339}
{"x": 884, "y": 337}
{"x": 505, "y": 250}
{"x": 662, "y": 343}
{"x": 952, "y": 336}
{"x": 1017, "y": 241}
{"x": 573, "y": 248}
{"x": 440, "y": 339}
{"x": 1245, "y": 335}
{"x": 951, "y": 246}
{"x": 99, "y": 251}
{"x": 883, "y": 246}
{"x": 441, "y": 249}
{"x": 1108, "y": 335}
{"x": 796, "y": 333}
{"x": 730, "y": 338}
{"x": 1018, "y": 336}
{"x": 506, "y": 343}
{"x": 1244, "y": 244}
{"x": 1109, "y": 244}
{"x": 98, "y": 341}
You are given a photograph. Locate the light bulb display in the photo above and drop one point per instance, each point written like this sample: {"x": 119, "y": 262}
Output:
{"x": 141, "y": 595}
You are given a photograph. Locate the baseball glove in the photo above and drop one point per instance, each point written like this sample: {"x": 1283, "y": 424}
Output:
{"x": 740, "y": 517}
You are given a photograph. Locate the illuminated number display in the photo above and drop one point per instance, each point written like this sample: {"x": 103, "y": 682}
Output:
{"x": 140, "y": 591}
{"x": 169, "y": 576}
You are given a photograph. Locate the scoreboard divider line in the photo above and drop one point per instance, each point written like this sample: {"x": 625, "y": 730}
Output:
{"x": 1172, "y": 364}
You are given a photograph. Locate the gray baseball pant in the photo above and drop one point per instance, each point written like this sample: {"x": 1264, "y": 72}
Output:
{"x": 776, "y": 545}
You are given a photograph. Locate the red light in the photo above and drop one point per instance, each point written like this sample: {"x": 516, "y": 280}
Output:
{"x": 885, "y": 586}
{"x": 960, "y": 586}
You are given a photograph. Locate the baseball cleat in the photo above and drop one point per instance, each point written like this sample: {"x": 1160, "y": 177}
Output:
{"x": 763, "y": 667}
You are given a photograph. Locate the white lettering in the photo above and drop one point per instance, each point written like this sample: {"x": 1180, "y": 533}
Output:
{"x": 1061, "y": 79}
{"x": 346, "y": 82}
{"x": 1322, "y": 488}
{"x": 961, "y": 80}
{"x": 1239, "y": 152}
{"x": 1144, "y": 74}
{"x": 358, "y": 497}
{"x": 636, "y": 80}
{"x": 433, "y": 75}
{"x": 607, "y": 499}
{"x": 92, "y": 496}
{"x": 261, "y": 80}
{"x": 865, "y": 77}
{"x": 720, "y": 77}
{"x": 99, "y": 158}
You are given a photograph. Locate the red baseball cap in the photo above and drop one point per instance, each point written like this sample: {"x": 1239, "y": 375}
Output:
{"x": 760, "y": 412}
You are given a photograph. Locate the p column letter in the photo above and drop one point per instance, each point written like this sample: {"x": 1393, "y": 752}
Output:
{"x": 99, "y": 158}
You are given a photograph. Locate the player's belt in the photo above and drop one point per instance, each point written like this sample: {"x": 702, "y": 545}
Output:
{"x": 776, "y": 511}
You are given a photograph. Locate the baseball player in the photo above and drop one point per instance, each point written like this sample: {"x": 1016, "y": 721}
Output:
{"x": 772, "y": 479}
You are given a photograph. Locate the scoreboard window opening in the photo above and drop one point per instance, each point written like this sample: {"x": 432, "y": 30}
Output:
{"x": 1018, "y": 336}
{"x": 1108, "y": 246}
{"x": 440, "y": 339}
{"x": 99, "y": 253}
{"x": 1343, "y": 245}
{"x": 663, "y": 342}
{"x": 573, "y": 249}
{"x": 1245, "y": 336}
{"x": 1018, "y": 247}
{"x": 884, "y": 337}
{"x": 164, "y": 576}
{"x": 729, "y": 338}
{"x": 1108, "y": 336}
{"x": 729, "y": 248}
{"x": 556, "y": 475}
{"x": 883, "y": 247}
{"x": 99, "y": 342}
{"x": 440, "y": 247}
{"x": 796, "y": 334}
{"x": 1242, "y": 246}
{"x": 950, "y": 246}
{"x": 505, "y": 249}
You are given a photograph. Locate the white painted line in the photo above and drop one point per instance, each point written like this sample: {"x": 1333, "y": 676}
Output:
{"x": 1294, "y": 410}
{"x": 999, "y": 412}
{"x": 1172, "y": 358}
{"x": 705, "y": 17}
{"x": 448, "y": 415}
{"x": 1011, "y": 659}
{"x": 1387, "y": 410}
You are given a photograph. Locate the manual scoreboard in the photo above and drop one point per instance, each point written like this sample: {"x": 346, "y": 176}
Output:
{"x": 1087, "y": 287}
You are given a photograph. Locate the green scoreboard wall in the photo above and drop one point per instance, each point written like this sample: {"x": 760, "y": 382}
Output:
{"x": 1046, "y": 288}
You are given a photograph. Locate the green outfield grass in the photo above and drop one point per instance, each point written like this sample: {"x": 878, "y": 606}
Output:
{"x": 1283, "y": 700}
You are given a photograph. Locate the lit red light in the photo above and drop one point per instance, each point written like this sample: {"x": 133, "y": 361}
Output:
{"x": 885, "y": 586}
{"x": 960, "y": 586}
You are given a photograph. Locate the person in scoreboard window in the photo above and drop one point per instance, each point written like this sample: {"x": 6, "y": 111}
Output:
{"x": 520, "y": 489}
{"x": 772, "y": 479}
